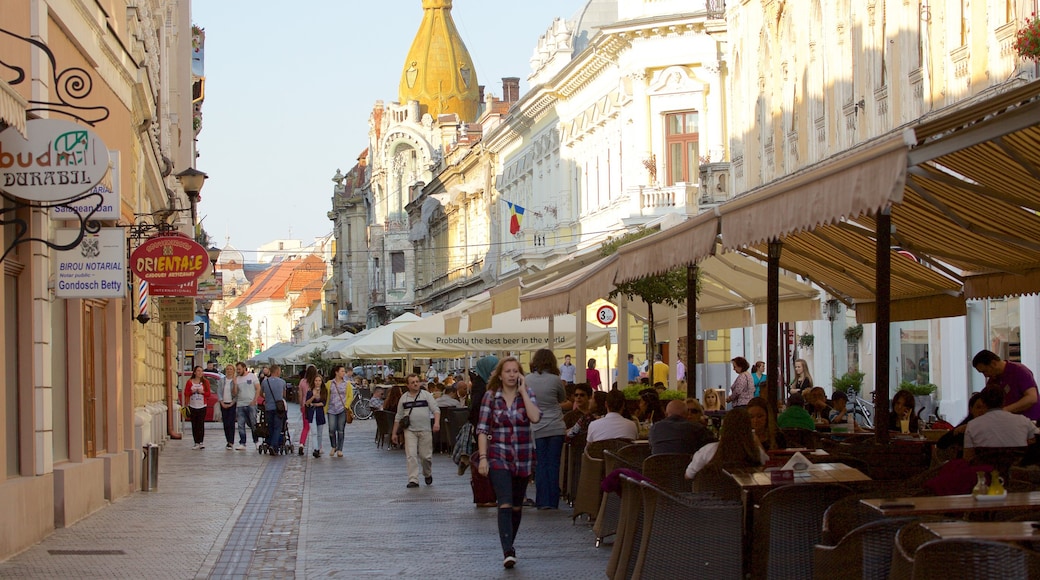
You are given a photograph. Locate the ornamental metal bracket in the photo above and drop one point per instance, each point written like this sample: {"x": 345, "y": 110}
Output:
{"x": 70, "y": 85}
{"x": 9, "y": 216}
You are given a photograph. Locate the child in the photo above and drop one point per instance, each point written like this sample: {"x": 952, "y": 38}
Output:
{"x": 839, "y": 400}
{"x": 376, "y": 402}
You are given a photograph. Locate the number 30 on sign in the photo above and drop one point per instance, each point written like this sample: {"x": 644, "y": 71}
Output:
{"x": 606, "y": 315}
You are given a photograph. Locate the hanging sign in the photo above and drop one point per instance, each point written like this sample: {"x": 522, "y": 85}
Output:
{"x": 108, "y": 190}
{"x": 58, "y": 161}
{"x": 169, "y": 259}
{"x": 96, "y": 268}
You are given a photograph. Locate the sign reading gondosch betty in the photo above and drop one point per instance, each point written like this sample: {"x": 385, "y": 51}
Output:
{"x": 58, "y": 161}
{"x": 169, "y": 259}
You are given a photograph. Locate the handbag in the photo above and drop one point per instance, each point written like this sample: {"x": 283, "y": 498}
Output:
{"x": 350, "y": 416}
{"x": 279, "y": 405}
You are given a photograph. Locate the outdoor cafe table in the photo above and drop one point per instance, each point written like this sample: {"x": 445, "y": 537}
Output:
{"x": 996, "y": 531}
{"x": 757, "y": 478}
{"x": 950, "y": 504}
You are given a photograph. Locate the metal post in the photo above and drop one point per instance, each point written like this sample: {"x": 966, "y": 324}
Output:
{"x": 773, "y": 325}
{"x": 882, "y": 323}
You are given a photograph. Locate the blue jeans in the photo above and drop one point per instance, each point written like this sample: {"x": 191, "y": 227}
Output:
{"x": 228, "y": 417}
{"x": 547, "y": 471}
{"x": 246, "y": 416}
{"x": 509, "y": 493}
{"x": 274, "y": 422}
{"x": 337, "y": 423}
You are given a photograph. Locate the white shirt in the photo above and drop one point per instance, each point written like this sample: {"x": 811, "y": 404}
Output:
{"x": 998, "y": 428}
{"x": 612, "y": 426}
{"x": 706, "y": 453}
{"x": 247, "y": 387}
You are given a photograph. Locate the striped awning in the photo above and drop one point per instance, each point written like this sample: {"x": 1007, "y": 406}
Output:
{"x": 12, "y": 107}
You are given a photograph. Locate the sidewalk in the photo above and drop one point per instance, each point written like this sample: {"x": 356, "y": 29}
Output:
{"x": 235, "y": 514}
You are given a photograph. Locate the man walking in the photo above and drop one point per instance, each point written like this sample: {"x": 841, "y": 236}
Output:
{"x": 247, "y": 391}
{"x": 273, "y": 389}
{"x": 633, "y": 370}
{"x": 567, "y": 370}
{"x": 660, "y": 371}
{"x": 420, "y": 407}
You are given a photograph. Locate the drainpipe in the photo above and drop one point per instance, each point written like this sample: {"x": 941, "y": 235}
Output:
{"x": 171, "y": 425}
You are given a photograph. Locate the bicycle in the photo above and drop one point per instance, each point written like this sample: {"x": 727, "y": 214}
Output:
{"x": 861, "y": 409}
{"x": 359, "y": 404}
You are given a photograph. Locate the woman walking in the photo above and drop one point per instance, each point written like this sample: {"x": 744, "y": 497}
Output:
{"x": 304, "y": 389}
{"x": 592, "y": 376}
{"x": 743, "y": 388}
{"x": 545, "y": 382}
{"x": 315, "y": 407}
{"x": 505, "y": 447}
{"x": 341, "y": 390}
{"x": 228, "y": 408}
{"x": 197, "y": 390}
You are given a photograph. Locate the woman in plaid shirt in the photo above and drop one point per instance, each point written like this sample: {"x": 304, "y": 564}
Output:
{"x": 506, "y": 447}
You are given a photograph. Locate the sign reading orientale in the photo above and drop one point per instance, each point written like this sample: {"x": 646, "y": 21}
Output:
{"x": 169, "y": 259}
{"x": 96, "y": 268}
{"x": 58, "y": 161}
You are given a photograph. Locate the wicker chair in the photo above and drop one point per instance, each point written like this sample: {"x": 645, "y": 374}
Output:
{"x": 687, "y": 536}
{"x": 908, "y": 538}
{"x": 384, "y": 422}
{"x": 668, "y": 471}
{"x": 800, "y": 437}
{"x": 623, "y": 554}
{"x": 845, "y": 515}
{"x": 974, "y": 559}
{"x": 865, "y": 552}
{"x": 628, "y": 457}
{"x": 787, "y": 525}
{"x": 589, "y": 493}
{"x": 573, "y": 450}
{"x": 712, "y": 479}
{"x": 1001, "y": 458}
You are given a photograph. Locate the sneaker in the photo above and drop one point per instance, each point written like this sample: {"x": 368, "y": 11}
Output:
{"x": 528, "y": 502}
{"x": 196, "y": 447}
{"x": 301, "y": 449}
{"x": 429, "y": 479}
{"x": 339, "y": 453}
{"x": 229, "y": 447}
{"x": 510, "y": 560}
{"x": 412, "y": 484}
{"x": 316, "y": 453}
{"x": 240, "y": 447}
{"x": 202, "y": 445}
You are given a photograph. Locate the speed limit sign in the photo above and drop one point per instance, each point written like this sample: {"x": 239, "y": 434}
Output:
{"x": 606, "y": 315}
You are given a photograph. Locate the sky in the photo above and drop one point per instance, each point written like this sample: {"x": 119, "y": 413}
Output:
{"x": 289, "y": 89}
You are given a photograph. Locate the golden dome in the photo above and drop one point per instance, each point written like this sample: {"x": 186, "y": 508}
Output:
{"x": 439, "y": 72}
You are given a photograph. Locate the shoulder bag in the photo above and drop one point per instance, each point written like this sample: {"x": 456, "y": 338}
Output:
{"x": 279, "y": 405}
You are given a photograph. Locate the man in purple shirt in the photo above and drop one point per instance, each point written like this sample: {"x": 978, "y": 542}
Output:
{"x": 1020, "y": 392}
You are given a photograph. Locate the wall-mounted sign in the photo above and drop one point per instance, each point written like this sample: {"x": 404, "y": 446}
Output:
{"x": 188, "y": 289}
{"x": 342, "y": 315}
{"x": 175, "y": 309}
{"x": 96, "y": 268}
{"x": 109, "y": 190}
{"x": 59, "y": 160}
{"x": 211, "y": 286}
{"x": 169, "y": 259}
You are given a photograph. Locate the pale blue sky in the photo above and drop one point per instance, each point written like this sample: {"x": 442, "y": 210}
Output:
{"x": 289, "y": 88}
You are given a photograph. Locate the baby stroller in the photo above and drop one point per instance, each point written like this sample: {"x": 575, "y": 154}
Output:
{"x": 262, "y": 430}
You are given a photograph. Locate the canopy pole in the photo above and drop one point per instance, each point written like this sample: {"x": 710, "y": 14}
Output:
{"x": 579, "y": 342}
{"x": 883, "y": 321}
{"x": 772, "y": 393}
{"x": 622, "y": 338}
{"x": 691, "y": 331}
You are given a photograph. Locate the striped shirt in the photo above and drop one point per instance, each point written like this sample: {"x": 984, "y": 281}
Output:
{"x": 510, "y": 445}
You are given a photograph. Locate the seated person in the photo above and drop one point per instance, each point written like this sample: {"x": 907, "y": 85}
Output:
{"x": 448, "y": 398}
{"x": 903, "y": 408}
{"x": 581, "y": 395}
{"x": 674, "y": 434}
{"x": 597, "y": 408}
{"x": 954, "y": 438}
{"x": 613, "y": 425}
{"x": 695, "y": 412}
{"x": 376, "y": 402}
{"x": 736, "y": 447}
{"x": 839, "y": 407}
{"x": 795, "y": 414}
{"x": 996, "y": 427}
{"x": 763, "y": 422}
{"x": 817, "y": 406}
{"x": 712, "y": 401}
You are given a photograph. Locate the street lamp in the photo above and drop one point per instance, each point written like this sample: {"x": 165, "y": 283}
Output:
{"x": 191, "y": 181}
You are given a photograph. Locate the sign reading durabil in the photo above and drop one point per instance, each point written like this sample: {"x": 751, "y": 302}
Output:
{"x": 169, "y": 259}
{"x": 60, "y": 160}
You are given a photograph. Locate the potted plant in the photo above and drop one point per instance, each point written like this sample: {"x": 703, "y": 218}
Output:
{"x": 850, "y": 380}
{"x": 924, "y": 402}
{"x": 806, "y": 340}
{"x": 854, "y": 333}
{"x": 1027, "y": 39}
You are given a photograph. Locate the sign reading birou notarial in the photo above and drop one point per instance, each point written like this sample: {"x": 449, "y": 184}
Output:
{"x": 96, "y": 268}
{"x": 60, "y": 160}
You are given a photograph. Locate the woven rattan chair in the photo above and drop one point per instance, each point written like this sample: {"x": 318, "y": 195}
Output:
{"x": 627, "y": 457}
{"x": 623, "y": 554}
{"x": 800, "y": 437}
{"x": 712, "y": 479}
{"x": 971, "y": 559}
{"x": 1001, "y": 458}
{"x": 845, "y": 515}
{"x": 668, "y": 471}
{"x": 573, "y": 449}
{"x": 589, "y": 493}
{"x": 787, "y": 525}
{"x": 687, "y": 536}
{"x": 865, "y": 552}
{"x": 384, "y": 421}
{"x": 908, "y": 538}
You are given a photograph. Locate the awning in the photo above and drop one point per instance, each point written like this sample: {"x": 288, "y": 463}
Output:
{"x": 12, "y": 107}
{"x": 683, "y": 245}
{"x": 572, "y": 292}
{"x": 864, "y": 180}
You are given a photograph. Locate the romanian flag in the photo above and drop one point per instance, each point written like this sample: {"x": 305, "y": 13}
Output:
{"x": 516, "y": 216}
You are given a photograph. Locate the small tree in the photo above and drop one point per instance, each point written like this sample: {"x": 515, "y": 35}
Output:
{"x": 235, "y": 326}
{"x": 317, "y": 358}
{"x": 668, "y": 288}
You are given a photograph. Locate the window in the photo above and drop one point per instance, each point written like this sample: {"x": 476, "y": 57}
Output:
{"x": 397, "y": 269}
{"x": 683, "y": 153}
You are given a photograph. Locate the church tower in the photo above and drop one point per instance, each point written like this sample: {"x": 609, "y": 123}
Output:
{"x": 438, "y": 72}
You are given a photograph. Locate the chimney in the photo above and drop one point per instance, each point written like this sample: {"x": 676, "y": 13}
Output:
{"x": 511, "y": 89}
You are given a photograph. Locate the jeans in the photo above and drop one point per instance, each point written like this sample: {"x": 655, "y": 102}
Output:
{"x": 275, "y": 421}
{"x": 509, "y": 493}
{"x": 337, "y": 424}
{"x": 228, "y": 417}
{"x": 246, "y": 416}
{"x": 547, "y": 471}
{"x": 198, "y": 424}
